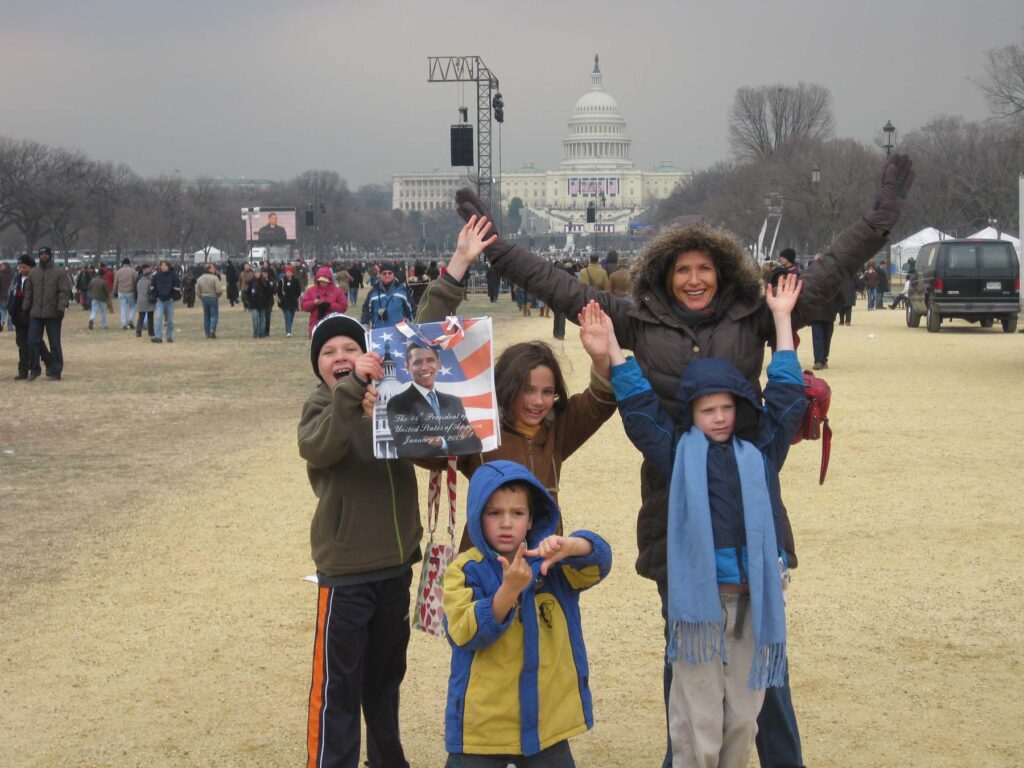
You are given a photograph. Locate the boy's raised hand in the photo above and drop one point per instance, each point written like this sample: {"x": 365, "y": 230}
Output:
{"x": 368, "y": 367}
{"x": 597, "y": 333}
{"x": 783, "y": 298}
{"x": 517, "y": 574}
{"x": 556, "y": 548}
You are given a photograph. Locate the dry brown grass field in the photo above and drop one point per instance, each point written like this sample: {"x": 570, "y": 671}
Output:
{"x": 155, "y": 535}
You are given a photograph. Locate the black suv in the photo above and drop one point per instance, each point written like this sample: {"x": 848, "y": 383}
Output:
{"x": 974, "y": 280}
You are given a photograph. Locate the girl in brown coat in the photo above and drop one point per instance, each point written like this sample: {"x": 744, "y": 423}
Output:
{"x": 541, "y": 425}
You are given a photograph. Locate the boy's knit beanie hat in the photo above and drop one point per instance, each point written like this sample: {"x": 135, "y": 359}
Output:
{"x": 335, "y": 324}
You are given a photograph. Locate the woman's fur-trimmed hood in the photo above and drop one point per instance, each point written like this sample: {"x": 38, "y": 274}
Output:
{"x": 738, "y": 276}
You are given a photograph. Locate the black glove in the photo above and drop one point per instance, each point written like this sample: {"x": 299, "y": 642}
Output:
{"x": 324, "y": 307}
{"x": 897, "y": 178}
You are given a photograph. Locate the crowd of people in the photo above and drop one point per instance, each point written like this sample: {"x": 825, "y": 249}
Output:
{"x": 713, "y": 531}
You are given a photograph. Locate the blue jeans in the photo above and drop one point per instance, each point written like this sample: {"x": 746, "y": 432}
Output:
{"x": 99, "y": 307}
{"x": 164, "y": 308}
{"x": 821, "y": 338}
{"x": 35, "y": 344}
{"x": 556, "y": 756}
{"x": 289, "y": 316}
{"x": 260, "y": 318}
{"x": 778, "y": 737}
{"x": 353, "y": 295}
{"x": 874, "y": 298}
{"x": 127, "y": 307}
{"x": 211, "y": 313}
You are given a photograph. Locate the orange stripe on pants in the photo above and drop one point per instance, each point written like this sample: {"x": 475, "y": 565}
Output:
{"x": 316, "y": 687}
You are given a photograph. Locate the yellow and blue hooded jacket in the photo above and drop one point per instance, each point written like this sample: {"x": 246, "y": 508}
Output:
{"x": 521, "y": 685}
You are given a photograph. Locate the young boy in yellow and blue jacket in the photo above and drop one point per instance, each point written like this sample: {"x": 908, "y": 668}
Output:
{"x": 512, "y": 609}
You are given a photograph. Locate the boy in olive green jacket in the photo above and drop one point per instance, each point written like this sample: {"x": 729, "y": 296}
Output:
{"x": 365, "y": 537}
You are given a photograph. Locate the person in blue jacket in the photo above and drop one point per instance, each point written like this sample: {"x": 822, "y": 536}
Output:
{"x": 512, "y": 614}
{"x": 726, "y": 564}
{"x": 387, "y": 303}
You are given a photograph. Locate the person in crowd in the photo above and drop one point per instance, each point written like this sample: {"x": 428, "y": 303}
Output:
{"x": 289, "y": 290}
{"x": 493, "y": 285}
{"x": 387, "y": 303}
{"x": 363, "y": 558}
{"x": 342, "y": 278}
{"x": 619, "y": 283}
{"x": 81, "y": 284}
{"x": 18, "y": 314}
{"x": 261, "y": 297}
{"x": 902, "y": 299}
{"x": 432, "y": 271}
{"x": 124, "y": 291}
{"x": 144, "y": 305}
{"x": 356, "y": 270}
{"x": 558, "y": 325}
{"x": 209, "y": 289}
{"x": 883, "y": 283}
{"x": 47, "y": 295}
{"x": 511, "y": 606}
{"x": 696, "y": 295}
{"x": 244, "y": 281}
{"x": 272, "y": 281}
{"x": 188, "y": 286}
{"x": 787, "y": 266}
{"x": 823, "y": 323}
{"x": 99, "y": 298}
{"x": 323, "y": 298}
{"x": 165, "y": 289}
{"x": 541, "y": 425}
{"x": 847, "y": 300}
{"x": 594, "y": 275}
{"x": 416, "y": 285}
{"x": 6, "y": 278}
{"x": 872, "y": 279}
{"x": 722, "y": 455}
{"x": 231, "y": 277}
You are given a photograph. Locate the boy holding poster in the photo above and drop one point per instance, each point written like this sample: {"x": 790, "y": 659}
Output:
{"x": 365, "y": 537}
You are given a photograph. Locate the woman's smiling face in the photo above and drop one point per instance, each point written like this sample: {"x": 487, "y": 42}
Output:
{"x": 693, "y": 280}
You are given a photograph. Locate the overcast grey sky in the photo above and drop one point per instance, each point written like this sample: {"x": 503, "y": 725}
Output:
{"x": 269, "y": 89}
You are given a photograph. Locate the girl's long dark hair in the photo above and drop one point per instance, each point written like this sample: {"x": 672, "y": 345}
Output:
{"x": 512, "y": 374}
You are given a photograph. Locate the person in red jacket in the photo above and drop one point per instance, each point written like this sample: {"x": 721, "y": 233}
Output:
{"x": 322, "y": 298}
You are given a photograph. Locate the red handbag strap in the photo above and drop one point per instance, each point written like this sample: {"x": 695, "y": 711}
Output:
{"x": 434, "y": 498}
{"x": 826, "y": 450}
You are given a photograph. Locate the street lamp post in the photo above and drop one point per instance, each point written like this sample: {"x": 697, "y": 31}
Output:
{"x": 815, "y": 181}
{"x": 890, "y": 137}
{"x": 889, "y": 144}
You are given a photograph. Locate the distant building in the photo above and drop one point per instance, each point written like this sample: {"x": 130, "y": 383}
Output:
{"x": 596, "y": 167}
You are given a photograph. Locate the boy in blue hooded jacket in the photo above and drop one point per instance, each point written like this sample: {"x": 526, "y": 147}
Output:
{"x": 520, "y": 685}
{"x": 722, "y": 455}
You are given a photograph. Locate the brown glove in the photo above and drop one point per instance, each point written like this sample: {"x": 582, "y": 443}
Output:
{"x": 469, "y": 204}
{"x": 897, "y": 178}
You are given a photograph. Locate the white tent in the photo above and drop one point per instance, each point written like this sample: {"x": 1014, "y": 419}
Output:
{"x": 990, "y": 233}
{"x": 908, "y": 248}
{"x": 215, "y": 256}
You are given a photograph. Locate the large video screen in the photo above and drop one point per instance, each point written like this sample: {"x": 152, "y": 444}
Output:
{"x": 269, "y": 225}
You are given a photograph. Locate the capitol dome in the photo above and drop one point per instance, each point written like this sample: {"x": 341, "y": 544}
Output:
{"x": 597, "y": 138}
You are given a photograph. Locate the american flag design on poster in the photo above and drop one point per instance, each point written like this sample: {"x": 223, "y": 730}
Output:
{"x": 465, "y": 369}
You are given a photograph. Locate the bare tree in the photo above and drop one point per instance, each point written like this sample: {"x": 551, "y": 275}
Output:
{"x": 1003, "y": 84}
{"x": 764, "y": 118}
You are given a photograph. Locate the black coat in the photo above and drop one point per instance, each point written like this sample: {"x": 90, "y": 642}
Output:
{"x": 288, "y": 292}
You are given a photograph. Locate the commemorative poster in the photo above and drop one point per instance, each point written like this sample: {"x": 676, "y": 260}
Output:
{"x": 437, "y": 395}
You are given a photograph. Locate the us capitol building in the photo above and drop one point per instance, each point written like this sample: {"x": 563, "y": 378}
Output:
{"x": 596, "y": 168}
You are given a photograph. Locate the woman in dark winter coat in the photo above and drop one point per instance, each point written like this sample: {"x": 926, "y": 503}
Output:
{"x": 696, "y": 294}
{"x": 261, "y": 299}
{"x": 847, "y": 299}
{"x": 165, "y": 289}
{"x": 289, "y": 290}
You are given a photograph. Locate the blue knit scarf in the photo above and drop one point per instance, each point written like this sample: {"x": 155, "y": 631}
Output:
{"x": 695, "y": 621}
